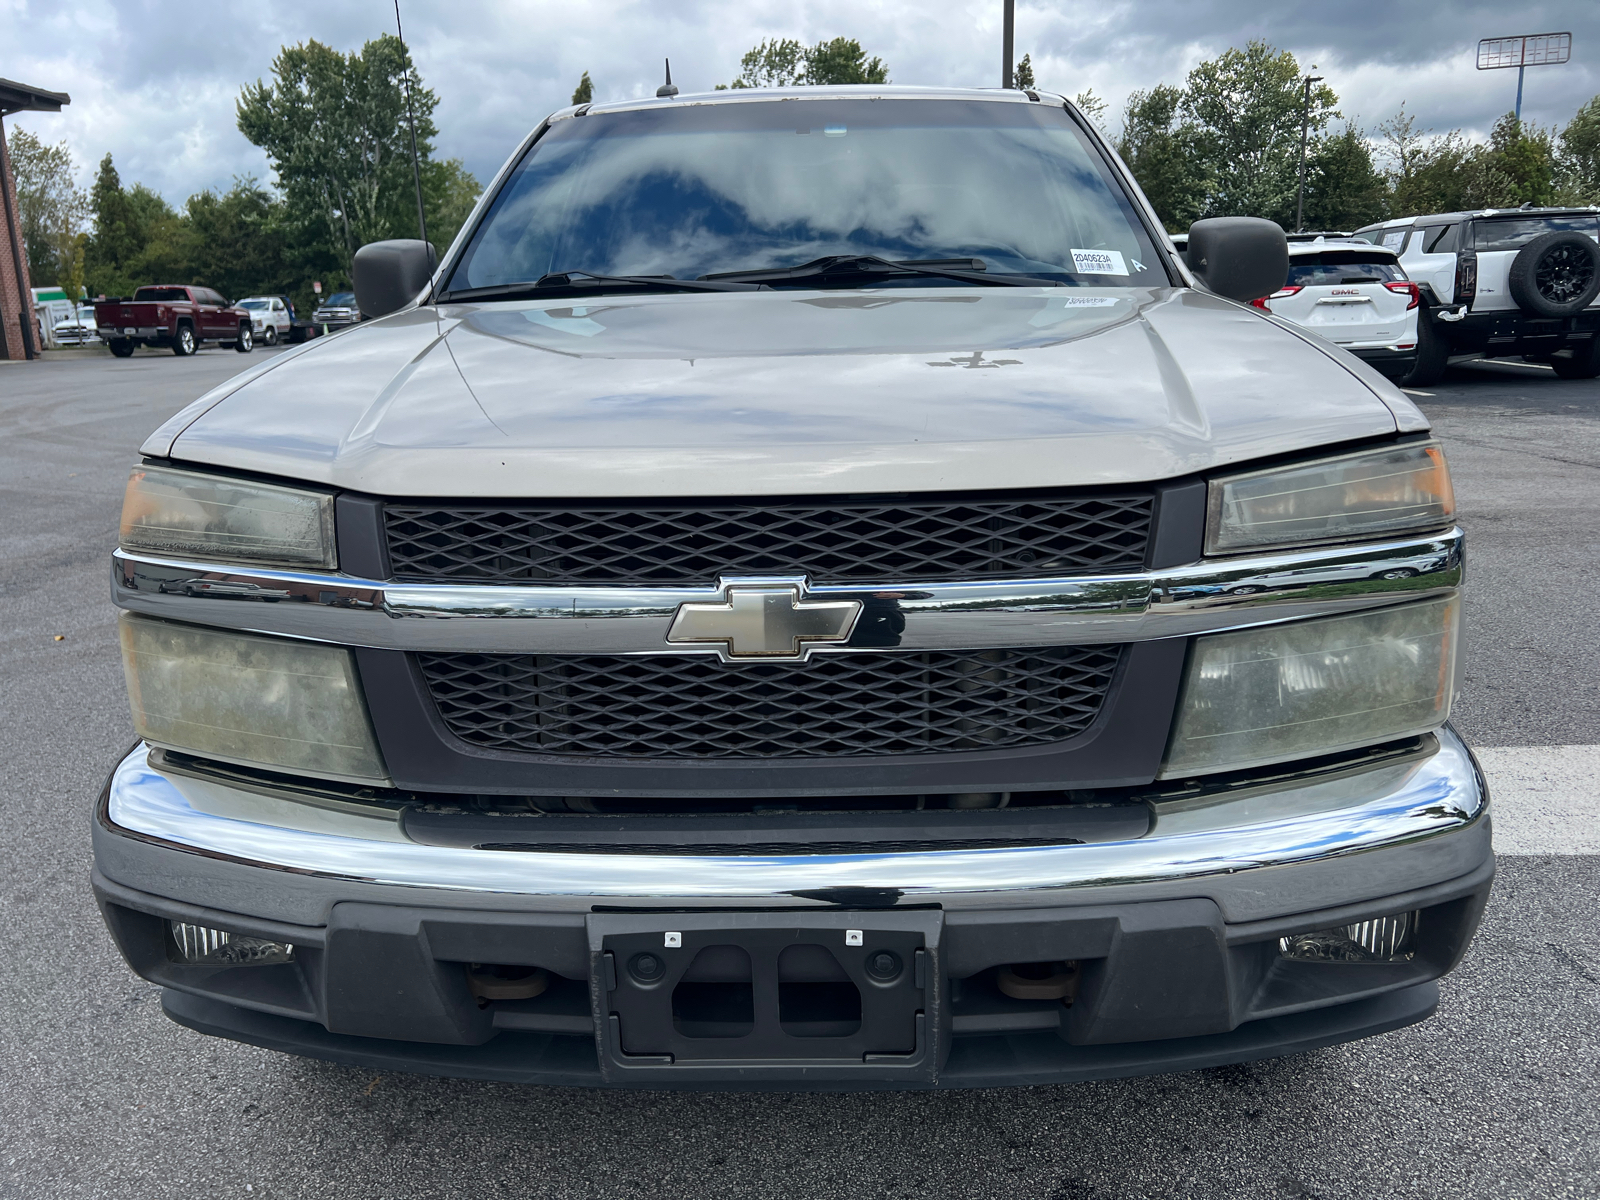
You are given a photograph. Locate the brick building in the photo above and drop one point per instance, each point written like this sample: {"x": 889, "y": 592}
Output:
{"x": 19, "y": 338}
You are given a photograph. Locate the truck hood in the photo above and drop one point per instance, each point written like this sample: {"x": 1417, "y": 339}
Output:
{"x": 774, "y": 393}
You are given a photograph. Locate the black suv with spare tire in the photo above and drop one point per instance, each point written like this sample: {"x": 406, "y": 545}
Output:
{"x": 1518, "y": 283}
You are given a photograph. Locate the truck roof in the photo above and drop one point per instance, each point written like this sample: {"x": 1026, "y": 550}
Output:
{"x": 854, "y": 91}
{"x": 1401, "y": 222}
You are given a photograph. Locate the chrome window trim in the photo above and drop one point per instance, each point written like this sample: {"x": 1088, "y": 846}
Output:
{"x": 1205, "y": 597}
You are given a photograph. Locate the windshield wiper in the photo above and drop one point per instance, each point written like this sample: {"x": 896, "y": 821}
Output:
{"x": 580, "y": 282}
{"x": 966, "y": 270}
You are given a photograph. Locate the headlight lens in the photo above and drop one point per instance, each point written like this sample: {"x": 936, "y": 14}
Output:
{"x": 191, "y": 515}
{"x": 258, "y": 701}
{"x": 1397, "y": 489}
{"x": 1283, "y": 692}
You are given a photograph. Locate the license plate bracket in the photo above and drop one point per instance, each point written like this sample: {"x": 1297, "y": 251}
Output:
{"x": 822, "y": 996}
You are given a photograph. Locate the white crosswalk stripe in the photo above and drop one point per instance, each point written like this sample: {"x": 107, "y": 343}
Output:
{"x": 1544, "y": 799}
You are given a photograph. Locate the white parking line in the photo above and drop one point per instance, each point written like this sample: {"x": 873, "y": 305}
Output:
{"x": 1414, "y": 392}
{"x": 1544, "y": 799}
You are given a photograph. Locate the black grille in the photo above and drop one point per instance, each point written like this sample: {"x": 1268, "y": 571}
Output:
{"x": 903, "y": 540}
{"x": 671, "y": 706}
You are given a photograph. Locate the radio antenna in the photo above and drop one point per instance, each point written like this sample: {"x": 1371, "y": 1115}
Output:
{"x": 416, "y": 161}
{"x": 666, "y": 89}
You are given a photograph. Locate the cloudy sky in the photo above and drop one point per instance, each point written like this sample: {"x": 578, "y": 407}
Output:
{"x": 155, "y": 83}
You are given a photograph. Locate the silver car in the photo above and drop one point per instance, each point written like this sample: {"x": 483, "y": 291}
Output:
{"x": 808, "y": 592}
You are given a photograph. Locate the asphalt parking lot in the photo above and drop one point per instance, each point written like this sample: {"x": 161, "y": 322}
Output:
{"x": 101, "y": 1096}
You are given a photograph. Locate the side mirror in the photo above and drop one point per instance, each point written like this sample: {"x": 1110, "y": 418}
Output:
{"x": 1243, "y": 258}
{"x": 388, "y": 275}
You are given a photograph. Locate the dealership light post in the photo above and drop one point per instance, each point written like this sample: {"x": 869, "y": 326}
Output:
{"x": 1305, "y": 123}
{"x": 1008, "y": 33}
{"x": 1522, "y": 52}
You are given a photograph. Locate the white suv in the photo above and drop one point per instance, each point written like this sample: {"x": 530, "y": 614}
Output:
{"x": 269, "y": 317}
{"x": 1511, "y": 283}
{"x": 1354, "y": 294}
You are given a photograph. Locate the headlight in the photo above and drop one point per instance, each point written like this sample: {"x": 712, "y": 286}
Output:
{"x": 191, "y": 515}
{"x": 258, "y": 701}
{"x": 1398, "y": 489}
{"x": 1283, "y": 692}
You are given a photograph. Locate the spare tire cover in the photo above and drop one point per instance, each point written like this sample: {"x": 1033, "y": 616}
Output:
{"x": 1556, "y": 274}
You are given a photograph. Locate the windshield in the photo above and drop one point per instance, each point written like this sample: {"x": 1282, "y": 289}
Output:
{"x": 340, "y": 300}
{"x": 255, "y": 304}
{"x": 1341, "y": 266}
{"x": 704, "y": 189}
{"x": 161, "y": 293}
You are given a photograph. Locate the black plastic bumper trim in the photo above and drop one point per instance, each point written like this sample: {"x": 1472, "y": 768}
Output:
{"x": 998, "y": 1060}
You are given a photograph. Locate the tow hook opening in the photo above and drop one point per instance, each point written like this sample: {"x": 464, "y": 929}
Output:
{"x": 505, "y": 981}
{"x": 1039, "y": 981}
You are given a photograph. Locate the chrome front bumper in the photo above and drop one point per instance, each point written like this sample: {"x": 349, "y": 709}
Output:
{"x": 1266, "y": 851}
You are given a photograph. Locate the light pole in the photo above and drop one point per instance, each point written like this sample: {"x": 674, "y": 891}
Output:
{"x": 1007, "y": 38}
{"x": 1305, "y": 124}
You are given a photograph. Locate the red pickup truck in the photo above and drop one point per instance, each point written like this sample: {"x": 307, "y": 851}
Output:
{"x": 180, "y": 317}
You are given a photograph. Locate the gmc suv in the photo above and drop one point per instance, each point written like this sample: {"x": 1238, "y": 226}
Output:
{"x": 810, "y": 591}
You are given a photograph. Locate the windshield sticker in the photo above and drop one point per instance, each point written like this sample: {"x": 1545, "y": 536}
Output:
{"x": 1098, "y": 262}
{"x": 1059, "y": 309}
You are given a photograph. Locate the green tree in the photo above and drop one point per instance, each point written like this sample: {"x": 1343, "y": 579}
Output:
{"x": 51, "y": 209}
{"x": 1022, "y": 74}
{"x": 843, "y": 61}
{"x": 1160, "y": 151}
{"x": 1091, "y": 106}
{"x": 1519, "y": 166}
{"x": 449, "y": 191}
{"x": 784, "y": 62}
{"x": 772, "y": 62}
{"x": 1579, "y": 156}
{"x": 236, "y": 242}
{"x": 117, "y": 236}
{"x": 163, "y": 256}
{"x": 1427, "y": 172}
{"x": 584, "y": 92}
{"x": 334, "y": 127}
{"x": 1344, "y": 189}
{"x": 1246, "y": 107}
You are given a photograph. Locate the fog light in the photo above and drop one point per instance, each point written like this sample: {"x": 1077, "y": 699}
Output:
{"x": 218, "y": 948}
{"x": 1383, "y": 939}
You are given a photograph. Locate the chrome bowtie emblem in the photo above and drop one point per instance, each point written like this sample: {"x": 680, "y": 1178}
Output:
{"x": 763, "y": 621}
